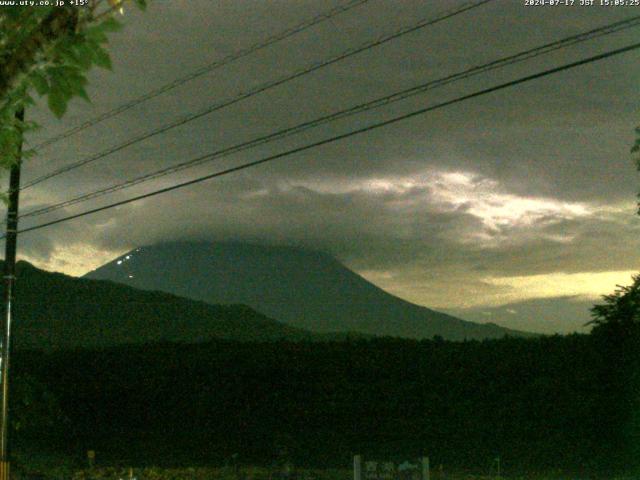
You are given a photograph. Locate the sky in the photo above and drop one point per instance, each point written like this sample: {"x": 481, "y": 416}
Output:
{"x": 517, "y": 207}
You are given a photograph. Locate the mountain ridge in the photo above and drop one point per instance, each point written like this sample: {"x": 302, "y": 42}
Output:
{"x": 302, "y": 288}
{"x": 55, "y": 311}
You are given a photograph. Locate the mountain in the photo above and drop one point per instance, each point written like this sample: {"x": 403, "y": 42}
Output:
{"x": 56, "y": 311}
{"x": 305, "y": 289}
{"x": 548, "y": 316}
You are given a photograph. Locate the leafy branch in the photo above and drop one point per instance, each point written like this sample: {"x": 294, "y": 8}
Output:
{"x": 49, "y": 50}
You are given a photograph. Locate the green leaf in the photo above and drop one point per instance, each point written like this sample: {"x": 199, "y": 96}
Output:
{"x": 110, "y": 25}
{"x": 142, "y": 4}
{"x": 26, "y": 154}
{"x": 60, "y": 87}
{"x": 40, "y": 83}
{"x": 96, "y": 35}
{"x": 57, "y": 103}
{"x": 28, "y": 100}
{"x": 68, "y": 75}
{"x": 62, "y": 70}
{"x": 69, "y": 55}
{"x": 102, "y": 58}
{"x": 84, "y": 54}
{"x": 82, "y": 93}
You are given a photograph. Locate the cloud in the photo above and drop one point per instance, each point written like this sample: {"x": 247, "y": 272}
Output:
{"x": 475, "y": 204}
{"x": 437, "y": 238}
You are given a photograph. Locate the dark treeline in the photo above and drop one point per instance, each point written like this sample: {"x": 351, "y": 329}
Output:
{"x": 546, "y": 404}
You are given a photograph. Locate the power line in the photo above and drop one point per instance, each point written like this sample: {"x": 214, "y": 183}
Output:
{"x": 232, "y": 57}
{"x": 264, "y": 87}
{"x": 326, "y": 141}
{"x": 500, "y": 63}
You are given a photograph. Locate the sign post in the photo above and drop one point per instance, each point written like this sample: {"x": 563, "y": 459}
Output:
{"x": 388, "y": 470}
{"x": 357, "y": 467}
{"x": 426, "y": 475}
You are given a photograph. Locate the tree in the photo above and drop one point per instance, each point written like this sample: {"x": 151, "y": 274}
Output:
{"x": 616, "y": 337}
{"x": 621, "y": 309}
{"x": 49, "y": 49}
{"x": 36, "y": 410}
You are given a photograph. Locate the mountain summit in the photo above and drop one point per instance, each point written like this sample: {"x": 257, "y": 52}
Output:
{"x": 302, "y": 288}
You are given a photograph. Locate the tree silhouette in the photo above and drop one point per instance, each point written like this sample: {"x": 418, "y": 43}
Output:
{"x": 621, "y": 309}
{"x": 617, "y": 338}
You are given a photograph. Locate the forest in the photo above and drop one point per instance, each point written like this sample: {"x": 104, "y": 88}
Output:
{"x": 549, "y": 404}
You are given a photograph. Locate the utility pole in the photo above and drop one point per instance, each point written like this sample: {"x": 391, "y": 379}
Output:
{"x": 9, "y": 281}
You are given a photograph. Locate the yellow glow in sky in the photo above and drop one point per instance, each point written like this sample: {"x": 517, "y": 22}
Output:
{"x": 586, "y": 284}
{"x": 74, "y": 260}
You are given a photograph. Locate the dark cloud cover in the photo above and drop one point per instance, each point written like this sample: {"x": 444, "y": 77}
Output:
{"x": 430, "y": 208}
